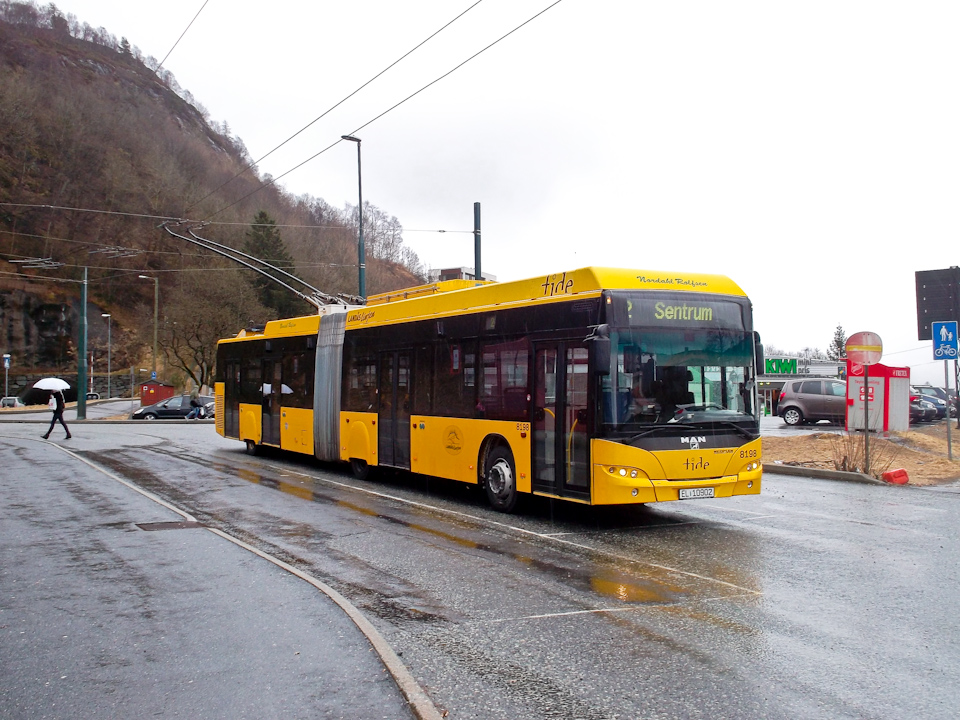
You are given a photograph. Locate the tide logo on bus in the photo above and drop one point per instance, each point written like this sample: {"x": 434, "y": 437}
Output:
{"x": 552, "y": 286}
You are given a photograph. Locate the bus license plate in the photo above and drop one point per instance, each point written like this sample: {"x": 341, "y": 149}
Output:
{"x": 695, "y": 493}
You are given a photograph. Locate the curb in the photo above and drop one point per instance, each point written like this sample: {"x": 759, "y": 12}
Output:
{"x": 799, "y": 471}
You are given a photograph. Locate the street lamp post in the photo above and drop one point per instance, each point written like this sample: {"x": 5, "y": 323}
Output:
{"x": 109, "y": 348}
{"x": 6, "y": 371}
{"x": 156, "y": 311}
{"x": 360, "y": 252}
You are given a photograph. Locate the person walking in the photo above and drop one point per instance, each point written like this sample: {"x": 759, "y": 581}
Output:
{"x": 58, "y": 414}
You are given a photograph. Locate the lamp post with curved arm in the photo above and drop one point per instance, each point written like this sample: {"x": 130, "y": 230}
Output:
{"x": 360, "y": 252}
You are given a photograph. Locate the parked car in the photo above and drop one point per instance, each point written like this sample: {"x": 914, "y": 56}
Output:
{"x": 939, "y": 397}
{"x": 928, "y": 393}
{"x": 93, "y": 396}
{"x": 812, "y": 400}
{"x": 11, "y": 402}
{"x": 177, "y": 408}
{"x": 921, "y": 410}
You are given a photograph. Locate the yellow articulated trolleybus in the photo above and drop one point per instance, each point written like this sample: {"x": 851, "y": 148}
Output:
{"x": 598, "y": 386}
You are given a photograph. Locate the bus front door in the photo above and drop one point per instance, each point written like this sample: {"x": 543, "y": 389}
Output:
{"x": 560, "y": 440}
{"x": 270, "y": 403}
{"x": 393, "y": 437}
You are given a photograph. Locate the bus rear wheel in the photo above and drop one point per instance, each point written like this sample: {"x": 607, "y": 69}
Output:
{"x": 359, "y": 468}
{"x": 500, "y": 480}
{"x": 252, "y": 448}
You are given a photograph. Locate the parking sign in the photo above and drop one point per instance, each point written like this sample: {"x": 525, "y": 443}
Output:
{"x": 944, "y": 340}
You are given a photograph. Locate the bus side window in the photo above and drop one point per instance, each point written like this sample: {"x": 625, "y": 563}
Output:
{"x": 506, "y": 383}
{"x": 454, "y": 379}
{"x": 423, "y": 381}
{"x": 359, "y": 391}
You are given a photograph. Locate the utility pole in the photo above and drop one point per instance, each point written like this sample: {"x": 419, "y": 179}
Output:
{"x": 477, "y": 274}
{"x": 82, "y": 353}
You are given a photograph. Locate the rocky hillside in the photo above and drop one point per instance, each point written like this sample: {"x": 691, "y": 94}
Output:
{"x": 96, "y": 149}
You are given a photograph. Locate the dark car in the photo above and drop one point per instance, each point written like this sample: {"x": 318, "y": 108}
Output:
{"x": 175, "y": 408}
{"x": 921, "y": 410}
{"x": 812, "y": 400}
{"x": 927, "y": 393}
{"x": 939, "y": 397}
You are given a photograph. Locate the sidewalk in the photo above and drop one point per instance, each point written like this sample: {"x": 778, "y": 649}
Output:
{"x": 112, "y": 605}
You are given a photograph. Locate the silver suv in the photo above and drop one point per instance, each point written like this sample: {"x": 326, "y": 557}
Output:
{"x": 813, "y": 399}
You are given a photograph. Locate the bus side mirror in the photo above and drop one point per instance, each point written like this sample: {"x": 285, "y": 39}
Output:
{"x": 601, "y": 356}
{"x": 758, "y": 354}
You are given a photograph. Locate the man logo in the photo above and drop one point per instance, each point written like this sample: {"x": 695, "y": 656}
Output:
{"x": 693, "y": 442}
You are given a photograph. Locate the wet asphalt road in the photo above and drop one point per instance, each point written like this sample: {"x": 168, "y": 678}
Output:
{"x": 817, "y": 599}
{"x": 108, "y": 611}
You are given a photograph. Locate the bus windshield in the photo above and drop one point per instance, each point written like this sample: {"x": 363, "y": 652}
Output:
{"x": 659, "y": 376}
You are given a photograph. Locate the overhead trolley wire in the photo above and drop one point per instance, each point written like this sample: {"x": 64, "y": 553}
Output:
{"x": 182, "y": 34}
{"x": 273, "y": 180}
{"x": 338, "y": 104}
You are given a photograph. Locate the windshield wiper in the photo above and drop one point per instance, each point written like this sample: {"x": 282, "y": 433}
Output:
{"x": 654, "y": 429}
{"x": 743, "y": 431}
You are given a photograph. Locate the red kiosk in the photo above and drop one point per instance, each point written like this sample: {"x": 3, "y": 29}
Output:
{"x": 888, "y": 397}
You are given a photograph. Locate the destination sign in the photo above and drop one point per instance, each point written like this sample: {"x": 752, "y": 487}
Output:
{"x": 647, "y": 310}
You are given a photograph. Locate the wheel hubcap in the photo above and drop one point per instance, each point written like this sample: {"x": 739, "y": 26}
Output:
{"x": 500, "y": 478}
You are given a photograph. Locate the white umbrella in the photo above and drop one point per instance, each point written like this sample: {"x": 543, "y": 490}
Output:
{"x": 51, "y": 383}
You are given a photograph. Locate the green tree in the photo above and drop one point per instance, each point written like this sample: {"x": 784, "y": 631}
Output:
{"x": 837, "y": 350}
{"x": 264, "y": 242}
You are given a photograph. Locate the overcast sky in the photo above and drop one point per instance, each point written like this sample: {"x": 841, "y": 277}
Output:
{"x": 810, "y": 151}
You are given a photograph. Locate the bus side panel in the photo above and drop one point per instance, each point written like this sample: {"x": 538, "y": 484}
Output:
{"x": 218, "y": 391}
{"x": 296, "y": 430}
{"x": 250, "y": 423}
{"x": 358, "y": 433}
{"x": 450, "y": 447}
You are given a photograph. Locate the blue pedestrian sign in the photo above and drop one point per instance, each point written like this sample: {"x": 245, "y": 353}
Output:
{"x": 944, "y": 340}
{"x": 153, "y": 375}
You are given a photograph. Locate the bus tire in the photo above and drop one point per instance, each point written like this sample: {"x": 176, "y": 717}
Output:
{"x": 359, "y": 468}
{"x": 252, "y": 448}
{"x": 500, "y": 479}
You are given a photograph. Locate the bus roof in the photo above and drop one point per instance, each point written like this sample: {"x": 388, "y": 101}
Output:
{"x": 458, "y": 297}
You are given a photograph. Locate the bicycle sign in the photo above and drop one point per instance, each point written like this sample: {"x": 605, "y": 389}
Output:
{"x": 944, "y": 340}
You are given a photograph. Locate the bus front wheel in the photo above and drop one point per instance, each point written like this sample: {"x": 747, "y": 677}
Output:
{"x": 360, "y": 469}
{"x": 500, "y": 480}
{"x": 252, "y": 448}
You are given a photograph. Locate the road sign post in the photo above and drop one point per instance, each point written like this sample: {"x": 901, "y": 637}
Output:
{"x": 865, "y": 348}
{"x": 944, "y": 335}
